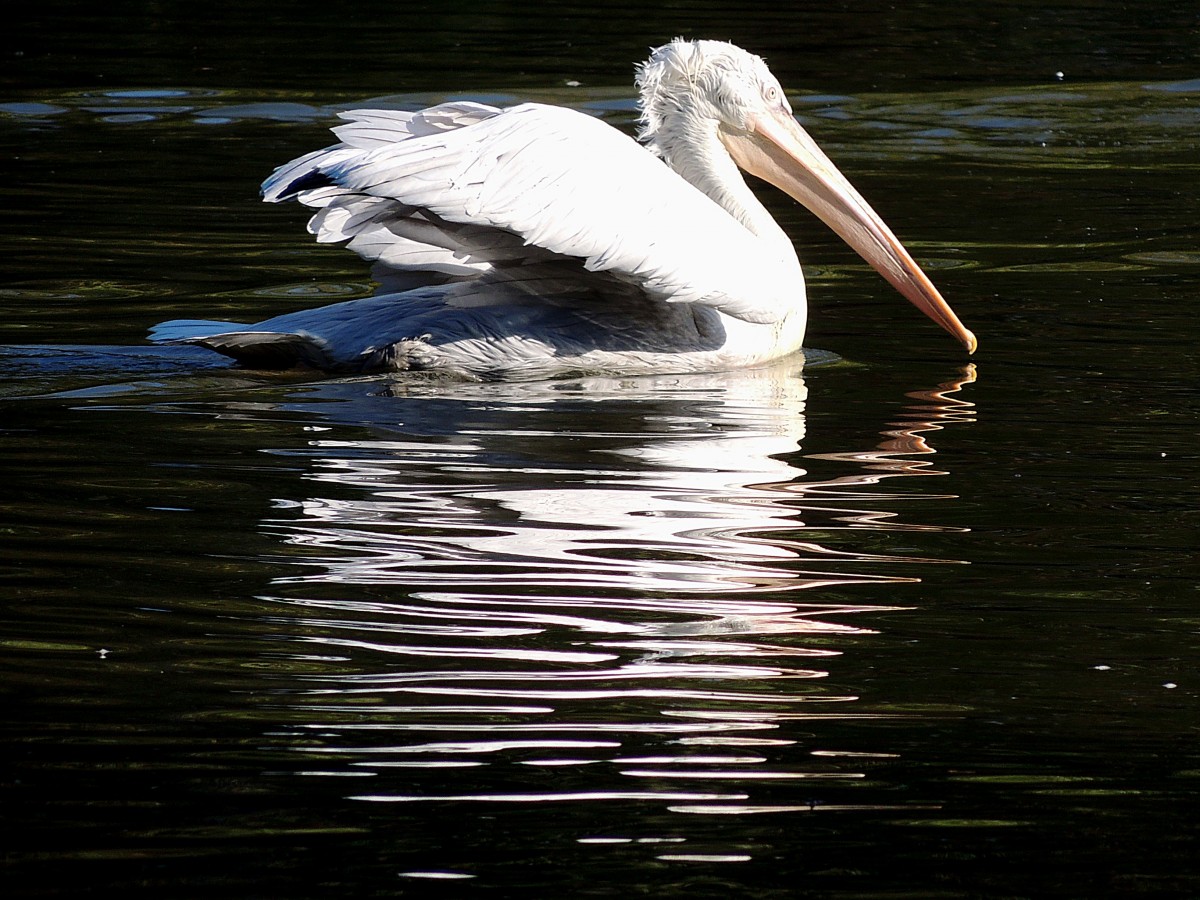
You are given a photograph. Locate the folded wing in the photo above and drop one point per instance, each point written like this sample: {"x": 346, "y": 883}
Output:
{"x": 464, "y": 190}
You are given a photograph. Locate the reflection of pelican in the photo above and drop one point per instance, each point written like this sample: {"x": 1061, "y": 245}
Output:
{"x": 674, "y": 486}
{"x": 536, "y": 240}
{"x": 649, "y": 484}
{"x": 634, "y": 571}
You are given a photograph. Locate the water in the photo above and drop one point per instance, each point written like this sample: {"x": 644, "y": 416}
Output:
{"x": 888, "y": 626}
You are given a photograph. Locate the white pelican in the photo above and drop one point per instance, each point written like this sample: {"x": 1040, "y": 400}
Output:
{"x": 536, "y": 241}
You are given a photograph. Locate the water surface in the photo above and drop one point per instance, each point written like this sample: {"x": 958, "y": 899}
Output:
{"x": 888, "y": 625}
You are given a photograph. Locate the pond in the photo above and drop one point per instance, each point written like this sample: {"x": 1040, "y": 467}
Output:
{"x": 884, "y": 621}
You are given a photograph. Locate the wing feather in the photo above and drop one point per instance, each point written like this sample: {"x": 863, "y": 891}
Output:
{"x": 462, "y": 188}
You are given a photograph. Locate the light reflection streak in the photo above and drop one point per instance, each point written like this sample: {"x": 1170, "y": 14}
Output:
{"x": 623, "y": 569}
{"x": 438, "y": 876}
{"x": 546, "y": 728}
{"x": 385, "y": 683}
{"x": 568, "y": 693}
{"x": 756, "y": 775}
{"x": 564, "y": 797}
{"x": 705, "y": 857}
{"x": 690, "y": 760}
{"x": 626, "y": 840}
{"x": 747, "y": 810}
{"x": 467, "y": 747}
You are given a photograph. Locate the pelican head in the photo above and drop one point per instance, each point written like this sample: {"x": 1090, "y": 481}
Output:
{"x": 697, "y": 95}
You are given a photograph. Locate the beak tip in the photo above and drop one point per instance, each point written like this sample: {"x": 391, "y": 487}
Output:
{"x": 969, "y": 341}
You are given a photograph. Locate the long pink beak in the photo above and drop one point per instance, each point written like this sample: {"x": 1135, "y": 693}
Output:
{"x": 778, "y": 150}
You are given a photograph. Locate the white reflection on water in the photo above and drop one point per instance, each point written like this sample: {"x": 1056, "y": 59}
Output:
{"x": 609, "y": 577}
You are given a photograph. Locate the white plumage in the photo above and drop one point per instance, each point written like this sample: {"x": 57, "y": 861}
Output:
{"x": 536, "y": 240}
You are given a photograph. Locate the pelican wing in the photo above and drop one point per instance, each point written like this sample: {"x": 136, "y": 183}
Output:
{"x": 464, "y": 189}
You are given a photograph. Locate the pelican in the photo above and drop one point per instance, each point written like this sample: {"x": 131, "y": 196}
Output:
{"x": 536, "y": 241}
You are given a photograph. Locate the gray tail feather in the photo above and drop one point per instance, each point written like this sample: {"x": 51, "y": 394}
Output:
{"x": 257, "y": 349}
{"x": 188, "y": 330}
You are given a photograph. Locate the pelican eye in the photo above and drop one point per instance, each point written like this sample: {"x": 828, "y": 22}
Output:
{"x": 774, "y": 97}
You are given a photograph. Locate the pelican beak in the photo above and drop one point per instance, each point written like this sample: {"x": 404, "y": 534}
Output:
{"x": 776, "y": 149}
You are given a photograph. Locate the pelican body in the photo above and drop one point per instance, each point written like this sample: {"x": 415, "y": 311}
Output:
{"x": 536, "y": 241}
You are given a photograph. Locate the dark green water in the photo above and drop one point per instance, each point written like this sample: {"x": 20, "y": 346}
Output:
{"x": 891, "y": 627}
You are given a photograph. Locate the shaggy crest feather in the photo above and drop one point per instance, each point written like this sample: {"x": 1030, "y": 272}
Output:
{"x": 681, "y": 72}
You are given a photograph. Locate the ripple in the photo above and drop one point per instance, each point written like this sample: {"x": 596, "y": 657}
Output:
{"x": 580, "y": 797}
{"x": 597, "y": 590}
{"x": 1167, "y": 257}
{"x": 314, "y": 290}
{"x": 705, "y": 857}
{"x": 437, "y": 876}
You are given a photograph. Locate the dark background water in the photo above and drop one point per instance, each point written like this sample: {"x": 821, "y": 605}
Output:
{"x": 891, "y": 627}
